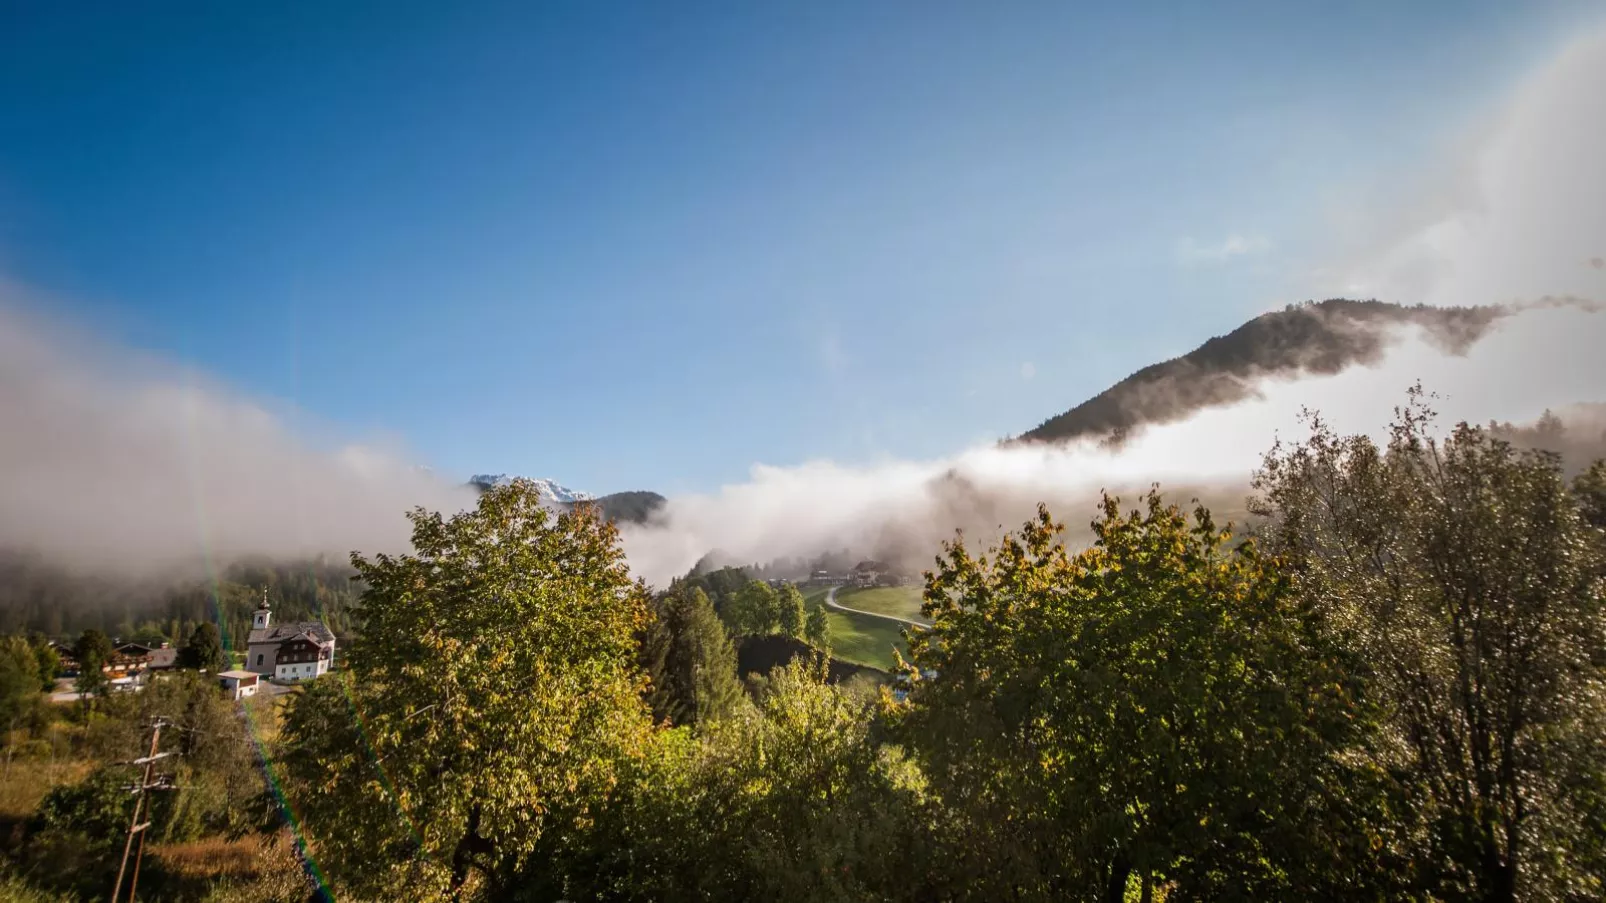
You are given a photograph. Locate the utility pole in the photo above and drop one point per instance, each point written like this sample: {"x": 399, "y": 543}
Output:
{"x": 135, "y": 826}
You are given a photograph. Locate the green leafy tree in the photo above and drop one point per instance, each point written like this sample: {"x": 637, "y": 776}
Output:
{"x": 204, "y": 650}
{"x": 691, "y": 663}
{"x": 148, "y": 634}
{"x": 19, "y": 678}
{"x": 94, "y": 650}
{"x": 817, "y": 628}
{"x": 48, "y": 664}
{"x": 96, "y": 807}
{"x": 795, "y": 799}
{"x": 789, "y": 610}
{"x": 753, "y": 610}
{"x": 1462, "y": 572}
{"x": 1153, "y": 713}
{"x": 1590, "y": 489}
{"x": 491, "y": 705}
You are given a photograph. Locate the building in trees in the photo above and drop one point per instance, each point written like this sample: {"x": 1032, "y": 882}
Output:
{"x": 163, "y": 658}
{"x": 297, "y": 650}
{"x": 865, "y": 573}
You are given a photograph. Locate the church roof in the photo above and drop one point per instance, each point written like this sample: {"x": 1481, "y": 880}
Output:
{"x": 278, "y": 633}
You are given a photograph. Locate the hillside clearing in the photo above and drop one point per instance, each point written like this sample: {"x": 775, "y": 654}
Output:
{"x": 898, "y": 601}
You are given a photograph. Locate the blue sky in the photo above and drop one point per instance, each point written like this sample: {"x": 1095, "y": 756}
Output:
{"x": 646, "y": 246}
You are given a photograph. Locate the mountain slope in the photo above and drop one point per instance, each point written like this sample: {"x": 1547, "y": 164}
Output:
{"x": 633, "y": 507}
{"x": 1310, "y": 338}
{"x": 630, "y": 507}
{"x": 551, "y": 491}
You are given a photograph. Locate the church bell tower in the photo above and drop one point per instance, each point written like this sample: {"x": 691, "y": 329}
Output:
{"x": 262, "y": 616}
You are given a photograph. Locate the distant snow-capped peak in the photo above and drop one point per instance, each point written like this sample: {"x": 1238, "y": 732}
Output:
{"x": 550, "y": 490}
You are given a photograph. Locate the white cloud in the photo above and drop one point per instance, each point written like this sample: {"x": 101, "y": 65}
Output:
{"x": 1028, "y": 370}
{"x": 112, "y": 460}
{"x": 1234, "y": 245}
{"x": 1543, "y": 357}
{"x": 1520, "y": 213}
{"x": 1529, "y": 222}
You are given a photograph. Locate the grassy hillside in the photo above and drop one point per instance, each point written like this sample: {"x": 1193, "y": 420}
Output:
{"x": 862, "y": 639}
{"x": 761, "y": 654}
{"x": 898, "y": 601}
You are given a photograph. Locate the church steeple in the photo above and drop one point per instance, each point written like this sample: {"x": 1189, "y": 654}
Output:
{"x": 262, "y": 616}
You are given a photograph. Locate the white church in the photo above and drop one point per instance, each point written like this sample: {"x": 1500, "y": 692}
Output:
{"x": 300, "y": 650}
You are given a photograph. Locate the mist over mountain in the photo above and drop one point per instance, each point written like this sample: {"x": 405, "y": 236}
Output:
{"x": 550, "y": 491}
{"x": 631, "y": 507}
{"x": 1301, "y": 340}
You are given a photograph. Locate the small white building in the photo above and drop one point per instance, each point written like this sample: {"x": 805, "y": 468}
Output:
{"x": 239, "y": 684}
{"x": 300, "y": 650}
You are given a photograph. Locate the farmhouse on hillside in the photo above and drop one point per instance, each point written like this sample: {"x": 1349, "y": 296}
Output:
{"x": 299, "y": 650}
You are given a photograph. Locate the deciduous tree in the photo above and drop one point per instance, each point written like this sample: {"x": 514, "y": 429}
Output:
{"x": 754, "y": 609}
{"x": 817, "y": 628}
{"x": 204, "y": 650}
{"x": 789, "y": 610}
{"x": 1464, "y": 573}
{"x": 492, "y": 699}
{"x": 47, "y": 662}
{"x": 1155, "y": 711}
{"x": 93, "y": 651}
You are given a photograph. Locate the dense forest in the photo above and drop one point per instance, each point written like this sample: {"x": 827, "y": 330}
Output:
{"x": 1389, "y": 685}
{"x": 1311, "y": 338}
{"x": 634, "y": 507}
{"x": 42, "y": 597}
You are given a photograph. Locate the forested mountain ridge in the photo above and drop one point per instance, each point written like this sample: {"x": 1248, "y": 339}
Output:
{"x": 634, "y": 507}
{"x": 1311, "y": 338}
{"x": 37, "y": 595}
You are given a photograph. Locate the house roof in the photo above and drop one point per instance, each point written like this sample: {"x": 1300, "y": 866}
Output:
{"x": 164, "y": 658}
{"x": 278, "y": 633}
{"x": 239, "y": 675}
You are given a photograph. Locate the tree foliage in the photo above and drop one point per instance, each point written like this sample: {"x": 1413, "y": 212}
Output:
{"x": 1156, "y": 709}
{"x": 93, "y": 650}
{"x": 789, "y": 615}
{"x": 1468, "y": 581}
{"x": 755, "y": 609}
{"x": 1590, "y": 489}
{"x": 47, "y": 663}
{"x": 794, "y": 799}
{"x": 494, "y": 697}
{"x": 204, "y": 650}
{"x": 19, "y": 678}
{"x": 689, "y": 660}
{"x": 817, "y": 628}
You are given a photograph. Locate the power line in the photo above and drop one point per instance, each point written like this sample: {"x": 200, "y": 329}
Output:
{"x": 147, "y": 783}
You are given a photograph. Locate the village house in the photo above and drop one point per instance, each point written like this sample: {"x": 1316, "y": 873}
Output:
{"x": 299, "y": 650}
{"x": 865, "y": 573}
{"x": 239, "y": 684}
{"x": 163, "y": 658}
{"x": 128, "y": 660}
{"x": 66, "y": 656}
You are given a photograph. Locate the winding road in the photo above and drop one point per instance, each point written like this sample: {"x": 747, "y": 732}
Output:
{"x": 830, "y": 602}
